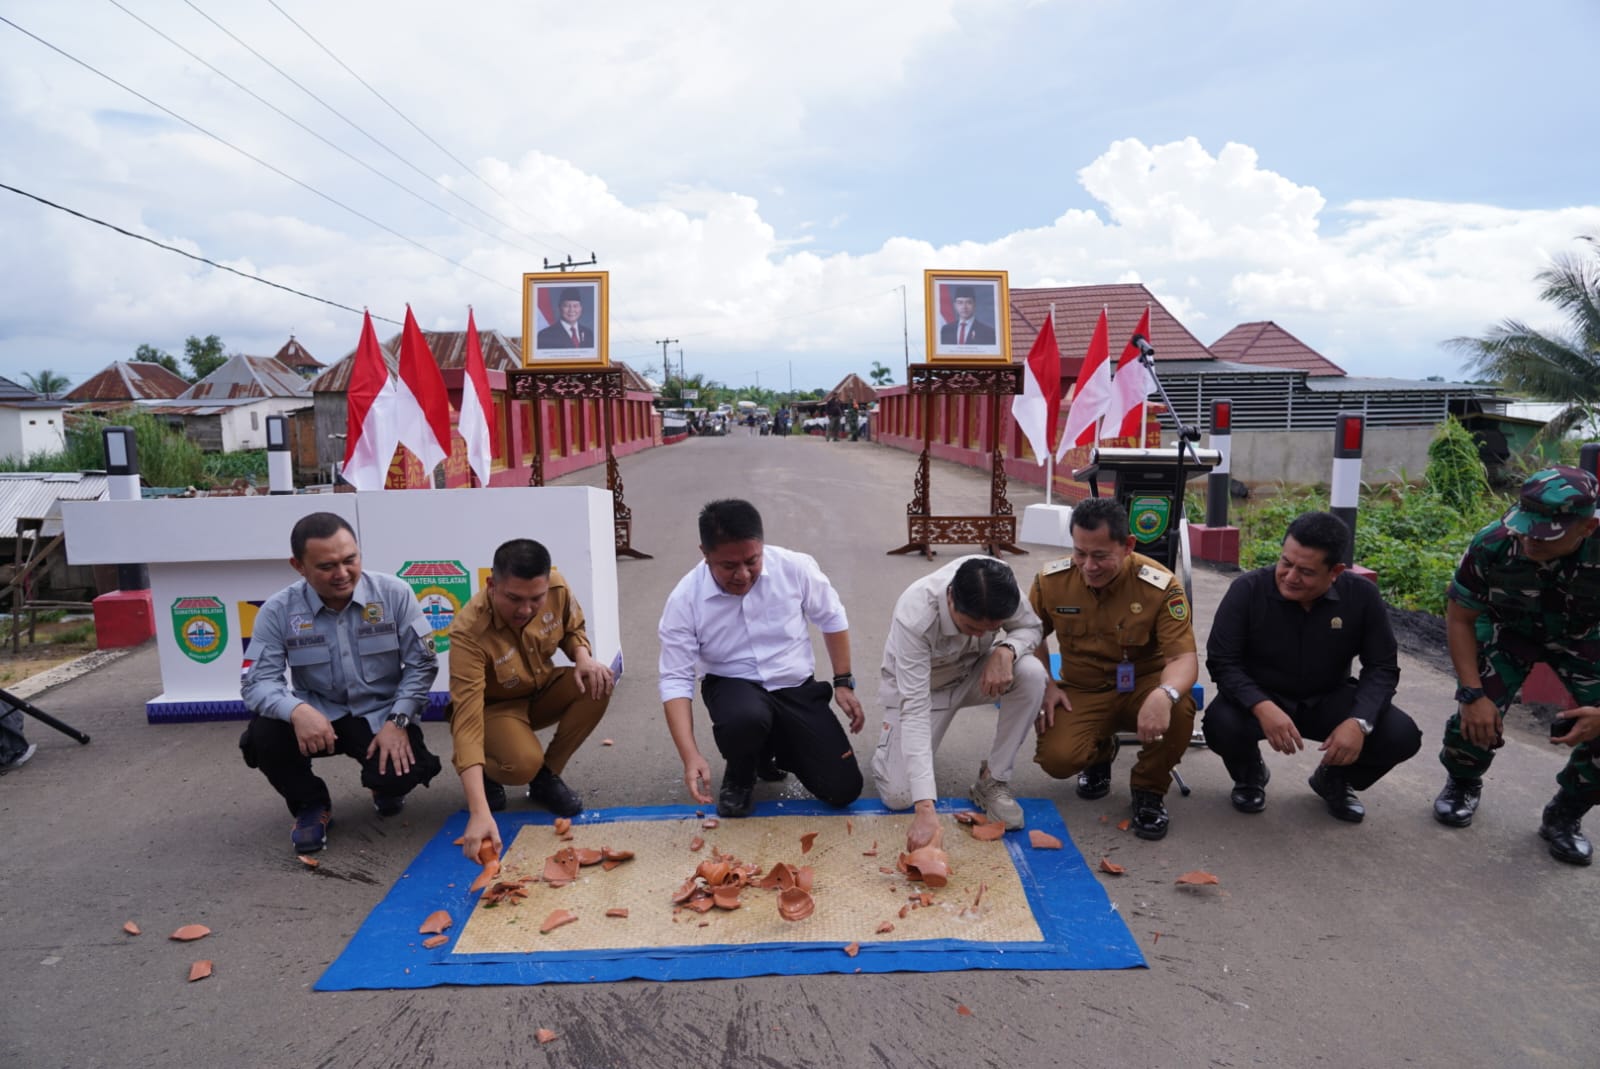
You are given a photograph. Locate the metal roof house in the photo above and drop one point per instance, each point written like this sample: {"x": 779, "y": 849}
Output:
{"x": 227, "y": 410}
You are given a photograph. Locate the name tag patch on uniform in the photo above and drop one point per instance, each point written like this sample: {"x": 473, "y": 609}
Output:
{"x": 301, "y": 641}
{"x": 1067, "y": 610}
{"x": 375, "y": 629}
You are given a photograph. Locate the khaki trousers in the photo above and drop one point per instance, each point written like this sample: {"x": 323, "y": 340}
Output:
{"x": 1086, "y": 735}
{"x": 511, "y": 750}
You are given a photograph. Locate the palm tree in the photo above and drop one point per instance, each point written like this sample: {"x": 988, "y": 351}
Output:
{"x": 881, "y": 375}
{"x": 1559, "y": 366}
{"x": 46, "y": 384}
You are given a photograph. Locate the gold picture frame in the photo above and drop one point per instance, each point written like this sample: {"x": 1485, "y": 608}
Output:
{"x": 551, "y": 339}
{"x": 983, "y": 335}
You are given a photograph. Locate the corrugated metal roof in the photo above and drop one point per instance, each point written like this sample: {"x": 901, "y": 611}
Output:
{"x": 1268, "y": 344}
{"x": 11, "y": 391}
{"x": 449, "y": 347}
{"x": 247, "y": 376}
{"x": 210, "y": 406}
{"x": 30, "y": 495}
{"x": 128, "y": 380}
{"x": 1362, "y": 385}
{"x": 294, "y": 356}
{"x": 1077, "y": 311}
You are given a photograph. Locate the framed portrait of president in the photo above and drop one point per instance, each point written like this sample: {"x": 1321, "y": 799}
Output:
{"x": 565, "y": 321}
{"x": 968, "y": 317}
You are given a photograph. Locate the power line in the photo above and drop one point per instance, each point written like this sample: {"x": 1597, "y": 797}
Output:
{"x": 190, "y": 255}
{"x": 351, "y": 156}
{"x": 458, "y": 161}
{"x": 358, "y": 129}
{"x": 256, "y": 159}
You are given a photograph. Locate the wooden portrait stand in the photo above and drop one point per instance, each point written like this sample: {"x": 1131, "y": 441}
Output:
{"x": 603, "y": 385}
{"x": 996, "y": 532}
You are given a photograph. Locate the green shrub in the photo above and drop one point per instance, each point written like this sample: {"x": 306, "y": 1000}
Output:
{"x": 166, "y": 456}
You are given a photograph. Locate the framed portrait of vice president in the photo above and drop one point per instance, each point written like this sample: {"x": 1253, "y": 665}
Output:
{"x": 565, "y": 321}
{"x": 968, "y": 317}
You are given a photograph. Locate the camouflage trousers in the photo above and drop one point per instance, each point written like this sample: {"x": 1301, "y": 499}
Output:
{"x": 1504, "y": 661}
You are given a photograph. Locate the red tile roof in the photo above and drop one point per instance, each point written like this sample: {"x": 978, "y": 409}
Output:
{"x": 1266, "y": 344}
{"x": 128, "y": 380}
{"x": 1078, "y": 309}
{"x": 294, "y": 356}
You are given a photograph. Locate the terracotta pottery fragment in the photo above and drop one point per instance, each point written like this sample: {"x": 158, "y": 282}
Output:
{"x": 486, "y": 877}
{"x": 803, "y": 877}
{"x": 925, "y": 899}
{"x": 608, "y": 742}
{"x": 886, "y": 868}
{"x": 782, "y": 876}
{"x": 696, "y": 843}
{"x": 436, "y": 923}
{"x": 726, "y": 897}
{"x": 588, "y": 857}
{"x": 885, "y": 928}
{"x": 190, "y": 932}
{"x": 963, "y": 1011}
{"x": 795, "y": 904}
{"x": 556, "y": 920}
{"x": 1124, "y": 824}
{"x": 702, "y": 902}
{"x": 608, "y": 854}
{"x": 563, "y": 825}
{"x": 904, "y": 911}
{"x": 852, "y": 949}
{"x": 487, "y": 852}
{"x": 544, "y": 1035}
{"x": 988, "y": 832}
{"x": 435, "y": 941}
{"x": 970, "y": 818}
{"x": 930, "y": 865}
{"x": 849, "y": 826}
{"x": 806, "y": 840}
{"x": 1109, "y": 866}
{"x": 715, "y": 873}
{"x": 873, "y": 852}
{"x": 199, "y": 971}
{"x": 1197, "y": 879}
{"x": 561, "y": 867}
{"x": 709, "y": 823}
{"x": 618, "y": 911}
{"x": 982, "y": 888}
{"x": 510, "y": 893}
{"x": 686, "y": 892}
{"x": 609, "y": 863}
{"x": 131, "y": 928}
{"x": 1040, "y": 840}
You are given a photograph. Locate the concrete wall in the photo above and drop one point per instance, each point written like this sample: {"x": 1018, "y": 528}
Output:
{"x": 26, "y": 432}
{"x": 1268, "y": 457}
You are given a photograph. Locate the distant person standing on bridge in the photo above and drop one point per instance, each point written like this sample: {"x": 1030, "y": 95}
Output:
{"x": 505, "y": 686}
{"x": 743, "y": 614}
{"x": 359, "y": 659}
{"x": 835, "y": 412}
{"x": 1528, "y": 590}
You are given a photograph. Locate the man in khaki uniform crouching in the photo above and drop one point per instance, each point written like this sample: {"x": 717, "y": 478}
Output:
{"x": 1128, "y": 663}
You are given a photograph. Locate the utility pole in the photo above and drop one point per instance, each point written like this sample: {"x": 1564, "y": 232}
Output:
{"x": 569, "y": 263}
{"x": 905, "y": 326}
{"x": 666, "y": 361}
{"x": 683, "y": 372}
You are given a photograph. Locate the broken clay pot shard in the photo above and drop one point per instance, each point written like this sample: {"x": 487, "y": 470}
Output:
{"x": 852, "y": 949}
{"x": 795, "y": 904}
{"x": 437, "y": 922}
{"x": 199, "y": 971}
{"x": 1196, "y": 879}
{"x": 620, "y": 912}
{"x": 131, "y": 928}
{"x": 988, "y": 832}
{"x": 487, "y": 852}
{"x": 544, "y": 1035}
{"x": 885, "y": 928}
{"x": 930, "y": 865}
{"x": 696, "y": 843}
{"x": 556, "y": 920}
{"x": 563, "y": 825}
{"x": 1040, "y": 840}
{"x": 190, "y": 932}
{"x": 435, "y": 941}
{"x": 806, "y": 840}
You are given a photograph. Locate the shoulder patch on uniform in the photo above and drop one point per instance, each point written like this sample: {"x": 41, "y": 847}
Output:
{"x": 1056, "y": 566}
{"x": 1178, "y": 609}
{"x": 1156, "y": 577}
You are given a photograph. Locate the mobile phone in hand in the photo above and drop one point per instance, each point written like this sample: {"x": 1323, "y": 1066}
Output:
{"x": 1562, "y": 726}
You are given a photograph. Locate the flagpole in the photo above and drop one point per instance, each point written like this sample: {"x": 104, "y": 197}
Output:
{"x": 1050, "y": 453}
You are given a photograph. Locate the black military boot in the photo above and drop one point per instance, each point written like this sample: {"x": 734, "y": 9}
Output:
{"x": 1562, "y": 829}
{"x": 1249, "y": 785}
{"x": 1457, "y": 802}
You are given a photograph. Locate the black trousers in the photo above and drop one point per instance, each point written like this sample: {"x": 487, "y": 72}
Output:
{"x": 270, "y": 745}
{"x": 1235, "y": 734}
{"x": 795, "y": 725}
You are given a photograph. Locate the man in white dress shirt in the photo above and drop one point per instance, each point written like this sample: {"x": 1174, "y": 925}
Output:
{"x": 740, "y": 618}
{"x": 960, "y": 636}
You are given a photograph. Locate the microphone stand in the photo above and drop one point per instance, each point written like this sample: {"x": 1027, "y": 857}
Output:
{"x": 1187, "y": 436}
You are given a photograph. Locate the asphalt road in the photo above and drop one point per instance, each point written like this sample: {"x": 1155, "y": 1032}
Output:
{"x": 1393, "y": 942}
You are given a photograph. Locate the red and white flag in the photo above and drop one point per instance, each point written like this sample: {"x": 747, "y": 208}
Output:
{"x": 424, "y": 406}
{"x": 1037, "y": 410}
{"x": 476, "y": 423}
{"x": 1129, "y": 388}
{"x": 1093, "y": 393}
{"x": 370, "y": 402}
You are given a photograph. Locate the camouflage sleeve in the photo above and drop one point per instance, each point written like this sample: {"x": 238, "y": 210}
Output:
{"x": 1469, "y": 588}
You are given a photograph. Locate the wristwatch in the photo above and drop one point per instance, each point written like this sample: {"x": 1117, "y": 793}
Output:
{"x": 1016, "y": 654}
{"x": 1466, "y": 695}
{"x": 1171, "y": 692}
{"x": 1364, "y": 725}
{"x": 847, "y": 681}
{"x": 400, "y": 720}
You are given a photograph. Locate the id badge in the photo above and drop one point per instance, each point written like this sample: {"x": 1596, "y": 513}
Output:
{"x": 1125, "y": 677}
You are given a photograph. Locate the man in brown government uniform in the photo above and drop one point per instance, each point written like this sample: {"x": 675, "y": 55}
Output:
{"x": 503, "y": 688}
{"x": 1128, "y": 663}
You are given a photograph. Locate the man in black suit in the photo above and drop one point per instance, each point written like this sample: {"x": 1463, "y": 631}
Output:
{"x": 567, "y": 332}
{"x": 966, "y": 330}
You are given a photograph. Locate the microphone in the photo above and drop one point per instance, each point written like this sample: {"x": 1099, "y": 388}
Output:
{"x": 1141, "y": 343}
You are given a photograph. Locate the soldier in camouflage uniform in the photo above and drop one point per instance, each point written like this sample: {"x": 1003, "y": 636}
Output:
{"x": 1528, "y": 590}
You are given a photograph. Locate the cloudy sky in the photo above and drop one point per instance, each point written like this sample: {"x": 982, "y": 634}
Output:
{"x": 761, "y": 180}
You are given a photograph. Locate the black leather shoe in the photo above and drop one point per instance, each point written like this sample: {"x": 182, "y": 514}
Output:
{"x": 1095, "y": 781}
{"x": 1457, "y": 802}
{"x": 767, "y": 770}
{"x": 734, "y": 800}
{"x": 1562, "y": 829}
{"x": 1250, "y": 789}
{"x": 495, "y": 793}
{"x": 1342, "y": 801}
{"x": 548, "y": 792}
{"x": 1149, "y": 815}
